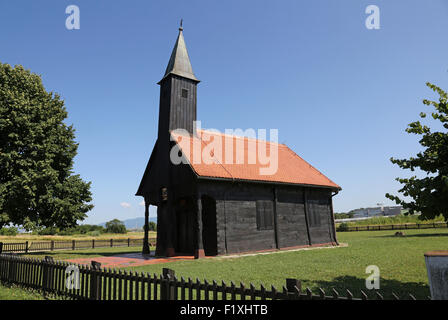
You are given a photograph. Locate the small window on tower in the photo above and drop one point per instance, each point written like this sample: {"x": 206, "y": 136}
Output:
{"x": 184, "y": 93}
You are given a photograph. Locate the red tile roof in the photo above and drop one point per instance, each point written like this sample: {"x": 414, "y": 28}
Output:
{"x": 291, "y": 168}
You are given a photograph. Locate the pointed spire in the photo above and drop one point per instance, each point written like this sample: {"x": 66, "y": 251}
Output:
{"x": 179, "y": 63}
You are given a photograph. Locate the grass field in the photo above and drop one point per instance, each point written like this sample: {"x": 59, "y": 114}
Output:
{"x": 16, "y": 293}
{"x": 400, "y": 260}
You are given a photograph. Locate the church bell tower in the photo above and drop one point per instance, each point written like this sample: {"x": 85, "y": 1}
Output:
{"x": 178, "y": 97}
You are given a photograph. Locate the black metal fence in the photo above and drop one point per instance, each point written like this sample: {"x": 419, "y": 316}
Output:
{"x": 33, "y": 246}
{"x": 404, "y": 226}
{"x": 94, "y": 283}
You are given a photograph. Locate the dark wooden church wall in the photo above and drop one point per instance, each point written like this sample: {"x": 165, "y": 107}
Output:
{"x": 236, "y": 216}
{"x": 292, "y": 228}
{"x": 320, "y": 215}
{"x": 220, "y": 227}
{"x": 183, "y": 110}
{"x": 242, "y": 234}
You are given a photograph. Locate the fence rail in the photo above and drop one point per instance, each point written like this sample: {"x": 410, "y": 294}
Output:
{"x": 96, "y": 283}
{"x": 405, "y": 226}
{"x": 33, "y": 246}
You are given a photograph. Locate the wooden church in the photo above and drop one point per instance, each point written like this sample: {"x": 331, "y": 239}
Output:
{"x": 215, "y": 208}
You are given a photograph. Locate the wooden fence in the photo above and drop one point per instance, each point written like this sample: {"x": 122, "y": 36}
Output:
{"x": 96, "y": 283}
{"x": 404, "y": 226}
{"x": 33, "y": 246}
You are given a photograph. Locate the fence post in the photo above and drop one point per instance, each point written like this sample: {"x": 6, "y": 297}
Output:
{"x": 111, "y": 242}
{"x": 73, "y": 245}
{"x": 95, "y": 281}
{"x": 129, "y": 242}
{"x": 166, "y": 291}
{"x": 1, "y": 247}
{"x": 52, "y": 245}
{"x": 290, "y": 286}
{"x": 11, "y": 266}
{"x": 93, "y": 243}
{"x": 46, "y": 273}
{"x": 26, "y": 246}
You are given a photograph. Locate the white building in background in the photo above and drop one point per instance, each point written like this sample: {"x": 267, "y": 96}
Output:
{"x": 377, "y": 211}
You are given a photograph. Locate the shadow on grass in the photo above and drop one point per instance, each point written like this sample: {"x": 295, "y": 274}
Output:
{"x": 420, "y": 235}
{"x": 355, "y": 285}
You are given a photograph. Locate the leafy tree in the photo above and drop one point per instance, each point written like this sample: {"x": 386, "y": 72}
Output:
{"x": 37, "y": 186}
{"x": 429, "y": 194}
{"x": 115, "y": 226}
{"x": 152, "y": 226}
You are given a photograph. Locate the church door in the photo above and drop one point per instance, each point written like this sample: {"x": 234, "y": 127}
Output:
{"x": 185, "y": 228}
{"x": 209, "y": 230}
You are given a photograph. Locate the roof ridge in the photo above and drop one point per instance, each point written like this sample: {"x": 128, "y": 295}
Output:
{"x": 240, "y": 137}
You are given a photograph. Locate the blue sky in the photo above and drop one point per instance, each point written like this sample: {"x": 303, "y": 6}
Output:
{"x": 339, "y": 94}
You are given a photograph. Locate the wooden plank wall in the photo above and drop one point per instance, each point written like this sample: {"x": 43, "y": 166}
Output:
{"x": 182, "y": 110}
{"x": 236, "y": 215}
{"x": 319, "y": 202}
{"x": 291, "y": 217}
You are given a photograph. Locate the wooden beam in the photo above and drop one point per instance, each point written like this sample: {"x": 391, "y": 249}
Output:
{"x": 305, "y": 209}
{"x": 146, "y": 249}
{"x": 277, "y": 245}
{"x": 199, "y": 247}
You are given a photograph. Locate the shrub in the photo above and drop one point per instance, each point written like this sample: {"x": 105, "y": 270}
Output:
{"x": 343, "y": 215}
{"x": 115, "y": 226}
{"x": 11, "y": 231}
{"x": 67, "y": 232}
{"x": 87, "y": 228}
{"x": 342, "y": 227}
{"x": 95, "y": 233}
{"x": 82, "y": 229}
{"x": 152, "y": 226}
{"x": 49, "y": 231}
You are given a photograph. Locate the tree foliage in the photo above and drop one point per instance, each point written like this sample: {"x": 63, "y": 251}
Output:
{"x": 115, "y": 226}
{"x": 37, "y": 184}
{"x": 152, "y": 226}
{"x": 429, "y": 194}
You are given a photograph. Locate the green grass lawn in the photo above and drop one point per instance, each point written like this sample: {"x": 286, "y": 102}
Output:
{"x": 401, "y": 262}
{"x": 16, "y": 293}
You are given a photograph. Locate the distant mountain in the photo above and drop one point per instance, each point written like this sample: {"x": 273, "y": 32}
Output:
{"x": 135, "y": 223}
